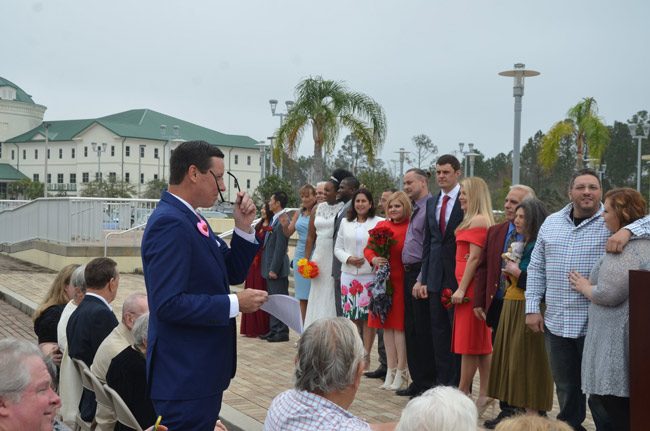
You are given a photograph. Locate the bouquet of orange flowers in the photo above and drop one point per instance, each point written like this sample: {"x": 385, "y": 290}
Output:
{"x": 307, "y": 268}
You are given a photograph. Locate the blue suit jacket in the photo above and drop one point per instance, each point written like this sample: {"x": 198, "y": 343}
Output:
{"x": 438, "y": 251}
{"x": 191, "y": 351}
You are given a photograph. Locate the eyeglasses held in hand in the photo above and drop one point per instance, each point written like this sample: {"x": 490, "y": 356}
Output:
{"x": 236, "y": 181}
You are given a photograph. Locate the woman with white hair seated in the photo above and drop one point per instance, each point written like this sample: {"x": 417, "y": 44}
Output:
{"x": 442, "y": 408}
{"x": 328, "y": 373}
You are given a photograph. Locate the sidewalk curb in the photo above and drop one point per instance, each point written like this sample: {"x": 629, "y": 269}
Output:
{"x": 232, "y": 418}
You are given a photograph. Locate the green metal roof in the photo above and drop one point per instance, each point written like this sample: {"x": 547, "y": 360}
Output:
{"x": 9, "y": 173}
{"x": 137, "y": 123}
{"x": 21, "y": 96}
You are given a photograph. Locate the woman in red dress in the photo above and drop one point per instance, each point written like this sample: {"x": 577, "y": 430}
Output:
{"x": 399, "y": 213}
{"x": 471, "y": 337}
{"x": 257, "y": 323}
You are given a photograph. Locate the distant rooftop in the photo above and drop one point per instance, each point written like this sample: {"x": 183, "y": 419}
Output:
{"x": 9, "y": 173}
{"x": 20, "y": 96}
{"x": 136, "y": 123}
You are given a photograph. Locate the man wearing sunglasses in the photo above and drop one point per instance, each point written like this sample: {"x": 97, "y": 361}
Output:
{"x": 191, "y": 352}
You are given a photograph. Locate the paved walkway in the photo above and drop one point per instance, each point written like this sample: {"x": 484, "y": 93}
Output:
{"x": 263, "y": 369}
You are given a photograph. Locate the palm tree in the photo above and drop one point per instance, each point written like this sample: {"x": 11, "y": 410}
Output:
{"x": 327, "y": 106}
{"x": 582, "y": 124}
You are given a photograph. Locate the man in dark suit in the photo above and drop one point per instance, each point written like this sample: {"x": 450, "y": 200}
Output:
{"x": 93, "y": 320}
{"x": 191, "y": 350}
{"x": 438, "y": 266}
{"x": 490, "y": 281}
{"x": 347, "y": 187}
{"x": 275, "y": 265}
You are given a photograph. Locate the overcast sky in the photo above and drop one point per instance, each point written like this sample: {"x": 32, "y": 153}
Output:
{"x": 431, "y": 64}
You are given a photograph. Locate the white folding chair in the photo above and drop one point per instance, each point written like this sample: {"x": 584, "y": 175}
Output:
{"x": 80, "y": 366}
{"x": 124, "y": 415}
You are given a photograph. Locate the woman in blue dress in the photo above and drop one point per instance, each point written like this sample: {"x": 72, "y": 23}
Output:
{"x": 300, "y": 223}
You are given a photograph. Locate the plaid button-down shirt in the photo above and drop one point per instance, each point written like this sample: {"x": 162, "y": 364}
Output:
{"x": 294, "y": 410}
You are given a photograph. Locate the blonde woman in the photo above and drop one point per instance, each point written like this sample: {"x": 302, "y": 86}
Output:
{"x": 47, "y": 315}
{"x": 471, "y": 337}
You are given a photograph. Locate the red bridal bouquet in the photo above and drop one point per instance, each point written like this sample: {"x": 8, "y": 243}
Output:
{"x": 307, "y": 268}
{"x": 380, "y": 240}
{"x": 445, "y": 298}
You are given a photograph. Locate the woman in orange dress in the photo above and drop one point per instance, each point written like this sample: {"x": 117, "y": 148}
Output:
{"x": 399, "y": 213}
{"x": 471, "y": 337}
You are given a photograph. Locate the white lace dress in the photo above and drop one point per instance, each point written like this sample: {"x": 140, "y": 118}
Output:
{"x": 321, "y": 295}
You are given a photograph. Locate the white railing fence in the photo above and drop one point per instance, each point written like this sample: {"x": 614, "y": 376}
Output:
{"x": 6, "y": 204}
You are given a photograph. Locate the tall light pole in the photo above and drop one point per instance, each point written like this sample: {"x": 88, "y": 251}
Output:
{"x": 263, "y": 146}
{"x": 274, "y": 104}
{"x": 646, "y": 158}
{"x": 99, "y": 149}
{"x": 639, "y": 132}
{"x": 47, "y": 143}
{"x": 271, "y": 139}
{"x": 518, "y": 73}
{"x": 141, "y": 148}
{"x": 168, "y": 137}
{"x": 402, "y": 155}
{"x": 468, "y": 155}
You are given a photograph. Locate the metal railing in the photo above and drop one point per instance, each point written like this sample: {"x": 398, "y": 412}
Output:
{"x": 7, "y": 203}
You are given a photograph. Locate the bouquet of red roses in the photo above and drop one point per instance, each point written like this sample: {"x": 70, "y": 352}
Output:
{"x": 445, "y": 298}
{"x": 380, "y": 240}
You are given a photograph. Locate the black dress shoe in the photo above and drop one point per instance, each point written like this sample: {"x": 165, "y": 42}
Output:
{"x": 411, "y": 391}
{"x": 503, "y": 414}
{"x": 379, "y": 373}
{"x": 278, "y": 338}
{"x": 267, "y": 335}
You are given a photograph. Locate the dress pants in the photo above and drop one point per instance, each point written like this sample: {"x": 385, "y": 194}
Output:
{"x": 417, "y": 331}
{"x": 279, "y": 286}
{"x": 446, "y": 363}
{"x": 189, "y": 415}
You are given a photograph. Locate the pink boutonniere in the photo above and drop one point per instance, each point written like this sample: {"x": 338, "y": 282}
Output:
{"x": 202, "y": 226}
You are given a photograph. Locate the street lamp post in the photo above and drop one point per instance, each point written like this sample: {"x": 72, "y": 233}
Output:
{"x": 168, "y": 137}
{"x": 99, "y": 149}
{"x": 47, "y": 143}
{"x": 141, "y": 148}
{"x": 263, "y": 146}
{"x": 274, "y": 104}
{"x": 634, "y": 131}
{"x": 402, "y": 155}
{"x": 646, "y": 158}
{"x": 271, "y": 164}
{"x": 518, "y": 73}
{"x": 468, "y": 155}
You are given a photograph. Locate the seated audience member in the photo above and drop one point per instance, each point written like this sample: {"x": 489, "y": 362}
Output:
{"x": 532, "y": 423}
{"x": 69, "y": 380}
{"x": 328, "y": 373}
{"x": 442, "y": 408}
{"x": 93, "y": 320}
{"x": 47, "y": 315}
{"x": 135, "y": 305}
{"x": 127, "y": 374}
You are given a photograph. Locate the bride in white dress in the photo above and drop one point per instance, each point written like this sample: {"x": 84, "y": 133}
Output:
{"x": 320, "y": 239}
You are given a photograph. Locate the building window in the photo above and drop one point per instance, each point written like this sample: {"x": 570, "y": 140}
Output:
{"x": 59, "y": 178}
{"x": 236, "y": 159}
{"x": 98, "y": 176}
{"x": 127, "y": 151}
{"x": 13, "y": 154}
{"x": 141, "y": 151}
{"x": 155, "y": 153}
{"x": 155, "y": 176}
{"x": 49, "y": 178}
{"x": 141, "y": 178}
{"x": 24, "y": 154}
{"x": 0, "y": 150}
{"x": 85, "y": 151}
{"x": 84, "y": 177}
{"x": 72, "y": 152}
{"x": 248, "y": 184}
{"x": 73, "y": 178}
{"x": 112, "y": 177}
{"x": 112, "y": 150}
{"x": 60, "y": 153}
{"x": 127, "y": 177}
{"x": 48, "y": 154}
{"x": 35, "y": 154}
{"x": 248, "y": 160}
{"x": 36, "y": 178}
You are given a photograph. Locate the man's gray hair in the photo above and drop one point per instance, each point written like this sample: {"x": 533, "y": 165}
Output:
{"x": 140, "y": 330}
{"x": 442, "y": 408}
{"x": 530, "y": 193}
{"x": 14, "y": 374}
{"x": 329, "y": 354}
{"x": 77, "y": 279}
{"x": 132, "y": 303}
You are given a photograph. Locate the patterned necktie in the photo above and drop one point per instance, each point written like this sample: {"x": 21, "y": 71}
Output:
{"x": 503, "y": 278}
{"x": 416, "y": 208}
{"x": 443, "y": 211}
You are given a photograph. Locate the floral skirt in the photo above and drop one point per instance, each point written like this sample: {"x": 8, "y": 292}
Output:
{"x": 354, "y": 295}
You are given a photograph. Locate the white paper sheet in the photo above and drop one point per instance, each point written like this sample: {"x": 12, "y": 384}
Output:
{"x": 285, "y": 308}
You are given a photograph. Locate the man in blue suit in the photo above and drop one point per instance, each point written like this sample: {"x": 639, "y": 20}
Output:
{"x": 439, "y": 265}
{"x": 191, "y": 350}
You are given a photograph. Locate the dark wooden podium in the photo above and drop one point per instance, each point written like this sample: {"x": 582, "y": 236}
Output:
{"x": 639, "y": 349}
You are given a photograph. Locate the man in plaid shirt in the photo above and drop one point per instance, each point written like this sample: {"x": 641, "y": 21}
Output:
{"x": 572, "y": 239}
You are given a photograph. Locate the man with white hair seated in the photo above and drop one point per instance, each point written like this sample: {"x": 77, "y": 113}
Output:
{"x": 442, "y": 408}
{"x": 328, "y": 373}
